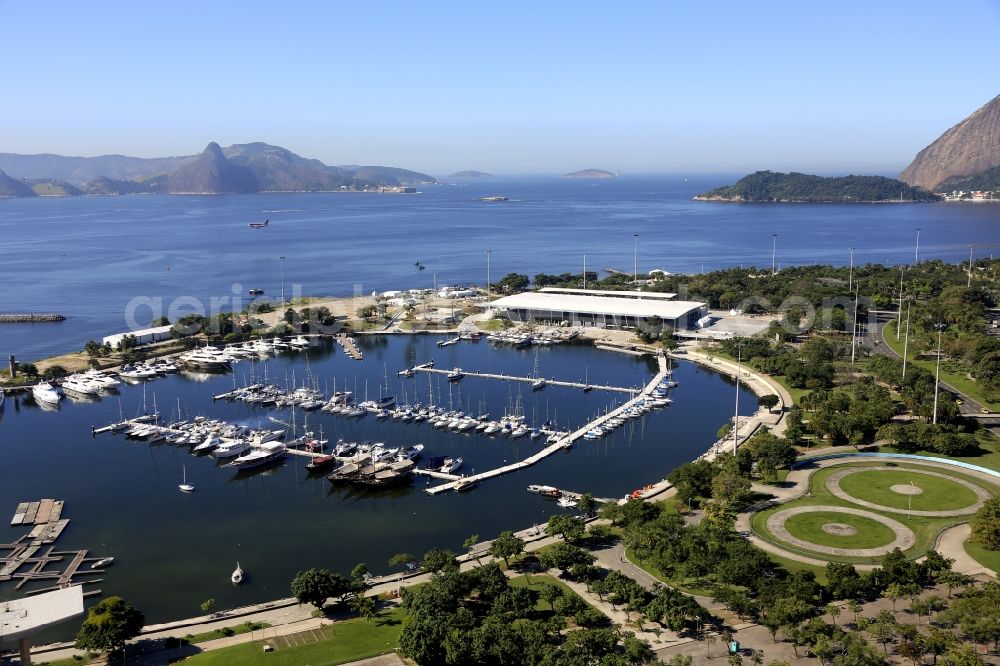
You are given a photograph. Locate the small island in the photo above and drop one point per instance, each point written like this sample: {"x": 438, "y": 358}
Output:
{"x": 776, "y": 187}
{"x": 470, "y": 173}
{"x": 590, "y": 173}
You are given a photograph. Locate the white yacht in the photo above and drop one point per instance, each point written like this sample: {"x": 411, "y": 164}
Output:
{"x": 266, "y": 453}
{"x": 300, "y": 342}
{"x": 237, "y": 575}
{"x": 80, "y": 386}
{"x": 46, "y": 393}
{"x": 451, "y": 464}
{"x": 101, "y": 379}
{"x": 231, "y": 448}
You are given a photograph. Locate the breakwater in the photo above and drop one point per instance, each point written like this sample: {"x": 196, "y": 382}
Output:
{"x": 21, "y": 317}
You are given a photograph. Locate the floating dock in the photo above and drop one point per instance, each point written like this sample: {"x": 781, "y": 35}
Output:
{"x": 529, "y": 380}
{"x": 350, "y": 347}
{"x": 565, "y": 441}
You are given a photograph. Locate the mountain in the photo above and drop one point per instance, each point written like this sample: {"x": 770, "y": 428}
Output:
{"x": 772, "y": 186}
{"x": 471, "y": 173}
{"x": 48, "y": 187}
{"x": 10, "y": 187}
{"x": 988, "y": 181}
{"x": 967, "y": 149}
{"x": 273, "y": 169}
{"x": 212, "y": 173}
{"x": 590, "y": 173}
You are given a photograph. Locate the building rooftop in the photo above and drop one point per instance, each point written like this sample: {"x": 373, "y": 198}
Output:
{"x": 623, "y": 307}
{"x": 655, "y": 295}
{"x": 19, "y": 617}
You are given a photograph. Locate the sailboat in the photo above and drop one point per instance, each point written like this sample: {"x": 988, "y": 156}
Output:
{"x": 184, "y": 486}
{"x": 539, "y": 382}
{"x": 237, "y": 576}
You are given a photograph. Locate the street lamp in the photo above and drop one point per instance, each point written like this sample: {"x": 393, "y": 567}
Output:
{"x": 282, "y": 265}
{"x": 736, "y": 418}
{"x": 774, "y": 247}
{"x": 937, "y": 372}
{"x": 969, "y": 283}
{"x": 635, "y": 261}
{"x": 850, "y": 277}
{"x": 488, "y": 252}
{"x": 916, "y": 250}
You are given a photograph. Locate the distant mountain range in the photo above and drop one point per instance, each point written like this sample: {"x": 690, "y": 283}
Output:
{"x": 470, "y": 173}
{"x": 969, "y": 149}
{"x": 240, "y": 168}
{"x": 772, "y": 186}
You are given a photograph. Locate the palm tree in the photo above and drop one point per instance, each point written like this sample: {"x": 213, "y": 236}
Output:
{"x": 363, "y": 606}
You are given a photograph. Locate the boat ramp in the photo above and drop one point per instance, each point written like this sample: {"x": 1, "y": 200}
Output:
{"x": 566, "y": 440}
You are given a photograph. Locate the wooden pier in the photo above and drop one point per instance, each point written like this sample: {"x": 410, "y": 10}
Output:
{"x": 566, "y": 440}
{"x": 350, "y": 348}
{"x": 529, "y": 380}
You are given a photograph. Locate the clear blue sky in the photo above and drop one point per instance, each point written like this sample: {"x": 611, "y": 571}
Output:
{"x": 507, "y": 87}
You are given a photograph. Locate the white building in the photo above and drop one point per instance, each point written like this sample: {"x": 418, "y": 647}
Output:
{"x": 600, "y": 309}
{"x": 143, "y": 336}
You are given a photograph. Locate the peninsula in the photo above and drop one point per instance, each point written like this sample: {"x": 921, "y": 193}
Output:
{"x": 776, "y": 187}
{"x": 590, "y": 173}
{"x": 470, "y": 173}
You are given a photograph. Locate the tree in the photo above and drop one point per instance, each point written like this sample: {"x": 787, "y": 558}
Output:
{"x": 208, "y": 606}
{"x": 437, "y": 560}
{"x": 709, "y": 640}
{"x": 912, "y": 650}
{"x": 470, "y": 543}
{"x": 692, "y": 480}
{"x": 550, "y": 593}
{"x": 402, "y": 560}
{"x": 855, "y": 607}
{"x": 882, "y": 631}
{"x": 833, "y": 610}
{"x": 986, "y": 524}
{"x": 563, "y": 556}
{"x": 938, "y": 641}
{"x": 586, "y": 504}
{"x": 363, "y": 606}
{"x": 962, "y": 655}
{"x": 53, "y": 372}
{"x": 769, "y": 401}
{"x": 315, "y": 586}
{"x": 894, "y": 592}
{"x": 569, "y": 528}
{"x": 680, "y": 660}
{"x": 506, "y": 546}
{"x": 953, "y": 579}
{"x": 109, "y": 626}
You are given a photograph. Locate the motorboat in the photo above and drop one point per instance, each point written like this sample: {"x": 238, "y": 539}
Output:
{"x": 408, "y": 372}
{"x": 410, "y": 452}
{"x": 567, "y": 502}
{"x": 80, "y": 386}
{"x": 539, "y": 489}
{"x": 538, "y": 384}
{"x": 320, "y": 463}
{"x": 263, "y": 455}
{"x": 205, "y": 359}
{"x": 237, "y": 575}
{"x": 210, "y": 443}
{"x": 102, "y": 563}
{"x": 450, "y": 465}
{"x": 300, "y": 342}
{"x": 455, "y": 375}
{"x": 345, "y": 449}
{"x": 45, "y": 392}
{"x": 232, "y": 448}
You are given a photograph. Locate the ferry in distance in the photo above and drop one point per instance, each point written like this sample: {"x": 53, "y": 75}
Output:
{"x": 260, "y": 225}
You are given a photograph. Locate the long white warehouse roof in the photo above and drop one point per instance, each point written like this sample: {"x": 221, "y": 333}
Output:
{"x": 622, "y": 307}
{"x": 652, "y": 295}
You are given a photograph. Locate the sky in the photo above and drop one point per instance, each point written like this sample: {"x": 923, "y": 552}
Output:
{"x": 512, "y": 87}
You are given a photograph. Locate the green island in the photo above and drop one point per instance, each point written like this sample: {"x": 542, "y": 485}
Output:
{"x": 775, "y": 187}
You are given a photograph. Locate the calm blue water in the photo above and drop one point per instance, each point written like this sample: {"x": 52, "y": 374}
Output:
{"x": 175, "y": 550}
{"x": 87, "y": 257}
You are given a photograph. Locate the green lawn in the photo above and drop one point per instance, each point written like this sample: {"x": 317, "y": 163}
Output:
{"x": 222, "y": 633}
{"x": 925, "y": 529}
{"x": 339, "y": 643}
{"x": 536, "y": 585}
{"x": 988, "y": 558}
{"x": 937, "y": 494}
{"x": 952, "y": 375}
{"x": 809, "y": 527}
{"x": 696, "y": 586}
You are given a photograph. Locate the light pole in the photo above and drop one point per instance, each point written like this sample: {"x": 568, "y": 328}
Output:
{"x": 774, "y": 248}
{"x": 635, "y": 261}
{"x": 969, "y": 283}
{"x": 937, "y": 371}
{"x": 282, "y": 268}
{"x": 916, "y": 250}
{"x": 899, "y": 310}
{"x": 854, "y": 330}
{"x": 906, "y": 338}
{"x": 736, "y": 417}
{"x": 488, "y": 252}
{"x": 850, "y": 276}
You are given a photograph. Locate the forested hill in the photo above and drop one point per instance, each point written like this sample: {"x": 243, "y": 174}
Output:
{"x": 773, "y": 186}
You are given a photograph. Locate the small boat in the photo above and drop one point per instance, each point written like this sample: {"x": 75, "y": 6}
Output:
{"x": 567, "y": 502}
{"x": 538, "y": 384}
{"x": 102, "y": 563}
{"x": 45, "y": 392}
{"x": 410, "y": 452}
{"x": 319, "y": 463}
{"x": 539, "y": 489}
{"x": 237, "y": 576}
{"x": 550, "y": 492}
{"x": 450, "y": 465}
{"x": 455, "y": 375}
{"x": 256, "y": 292}
{"x": 408, "y": 372}
{"x": 184, "y": 486}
